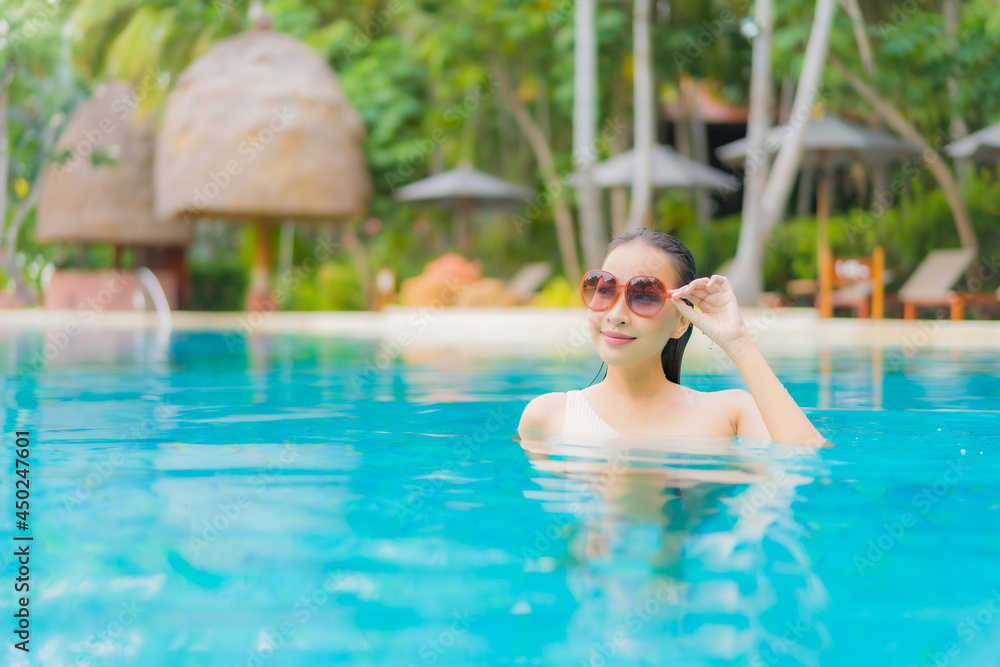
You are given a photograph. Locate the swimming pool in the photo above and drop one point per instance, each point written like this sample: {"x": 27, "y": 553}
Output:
{"x": 286, "y": 501}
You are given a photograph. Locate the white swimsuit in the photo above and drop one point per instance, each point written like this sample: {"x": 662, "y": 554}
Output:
{"x": 581, "y": 419}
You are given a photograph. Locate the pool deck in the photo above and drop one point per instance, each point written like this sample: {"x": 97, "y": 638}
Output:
{"x": 557, "y": 331}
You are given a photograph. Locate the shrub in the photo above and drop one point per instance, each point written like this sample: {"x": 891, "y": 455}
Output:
{"x": 333, "y": 286}
{"x": 219, "y": 285}
{"x": 557, "y": 293}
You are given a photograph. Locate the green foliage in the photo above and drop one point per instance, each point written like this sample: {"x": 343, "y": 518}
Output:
{"x": 422, "y": 76}
{"x": 557, "y": 293}
{"x": 907, "y": 232}
{"x": 218, "y": 285}
{"x": 333, "y": 286}
{"x": 711, "y": 245}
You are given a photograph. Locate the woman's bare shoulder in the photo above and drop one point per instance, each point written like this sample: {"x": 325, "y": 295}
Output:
{"x": 544, "y": 414}
{"x": 727, "y": 403}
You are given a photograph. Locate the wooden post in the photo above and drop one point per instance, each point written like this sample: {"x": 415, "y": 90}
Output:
{"x": 464, "y": 231}
{"x": 878, "y": 285}
{"x": 259, "y": 297}
{"x": 957, "y": 307}
{"x": 176, "y": 260}
{"x": 824, "y": 298}
{"x": 822, "y": 215}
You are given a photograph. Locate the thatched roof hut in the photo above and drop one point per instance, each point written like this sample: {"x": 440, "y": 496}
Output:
{"x": 109, "y": 202}
{"x": 259, "y": 129}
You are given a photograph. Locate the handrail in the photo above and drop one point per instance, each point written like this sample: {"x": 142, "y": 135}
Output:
{"x": 146, "y": 278}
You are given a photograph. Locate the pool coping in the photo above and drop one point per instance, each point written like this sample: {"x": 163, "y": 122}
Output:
{"x": 559, "y": 331}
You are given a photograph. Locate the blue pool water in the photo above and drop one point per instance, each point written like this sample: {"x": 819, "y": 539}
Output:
{"x": 285, "y": 500}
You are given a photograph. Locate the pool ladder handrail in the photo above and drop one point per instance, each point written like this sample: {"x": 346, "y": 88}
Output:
{"x": 146, "y": 278}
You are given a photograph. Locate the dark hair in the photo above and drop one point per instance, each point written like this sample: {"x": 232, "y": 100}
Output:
{"x": 683, "y": 263}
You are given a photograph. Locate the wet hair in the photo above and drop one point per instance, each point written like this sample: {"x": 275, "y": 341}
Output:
{"x": 683, "y": 264}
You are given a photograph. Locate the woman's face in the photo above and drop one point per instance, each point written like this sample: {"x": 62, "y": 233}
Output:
{"x": 644, "y": 337}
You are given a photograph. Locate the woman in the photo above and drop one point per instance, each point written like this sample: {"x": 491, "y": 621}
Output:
{"x": 641, "y": 316}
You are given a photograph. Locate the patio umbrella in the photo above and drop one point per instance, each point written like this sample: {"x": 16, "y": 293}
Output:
{"x": 981, "y": 146}
{"x": 464, "y": 189}
{"x": 669, "y": 170}
{"x": 258, "y": 129}
{"x": 829, "y": 142}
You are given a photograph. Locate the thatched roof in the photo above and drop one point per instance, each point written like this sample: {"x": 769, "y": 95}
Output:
{"x": 258, "y": 128}
{"x": 110, "y": 202}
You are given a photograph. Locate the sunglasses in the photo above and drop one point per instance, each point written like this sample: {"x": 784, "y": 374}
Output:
{"x": 644, "y": 295}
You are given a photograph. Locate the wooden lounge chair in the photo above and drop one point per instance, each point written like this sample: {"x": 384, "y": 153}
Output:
{"x": 931, "y": 284}
{"x": 855, "y": 282}
{"x": 988, "y": 300}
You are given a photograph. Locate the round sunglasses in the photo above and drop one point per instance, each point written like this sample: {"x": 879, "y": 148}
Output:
{"x": 644, "y": 295}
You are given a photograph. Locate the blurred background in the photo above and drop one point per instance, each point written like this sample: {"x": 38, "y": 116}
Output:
{"x": 330, "y": 155}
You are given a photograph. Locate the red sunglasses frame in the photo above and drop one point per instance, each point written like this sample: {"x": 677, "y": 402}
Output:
{"x": 618, "y": 287}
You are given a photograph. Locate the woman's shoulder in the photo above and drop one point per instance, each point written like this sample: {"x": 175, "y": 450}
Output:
{"x": 730, "y": 401}
{"x": 544, "y": 414}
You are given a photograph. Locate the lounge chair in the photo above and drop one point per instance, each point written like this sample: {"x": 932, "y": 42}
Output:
{"x": 930, "y": 286}
{"x": 989, "y": 300}
{"x": 529, "y": 279}
{"x": 855, "y": 282}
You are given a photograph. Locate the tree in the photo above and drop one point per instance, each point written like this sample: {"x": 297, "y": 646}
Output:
{"x": 747, "y": 273}
{"x": 585, "y": 131}
{"x": 31, "y": 45}
{"x": 640, "y": 213}
{"x": 744, "y": 280}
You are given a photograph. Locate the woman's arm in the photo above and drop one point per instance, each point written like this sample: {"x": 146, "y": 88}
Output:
{"x": 720, "y": 318}
{"x": 784, "y": 419}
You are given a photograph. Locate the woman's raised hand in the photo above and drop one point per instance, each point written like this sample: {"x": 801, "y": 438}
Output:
{"x": 719, "y": 317}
